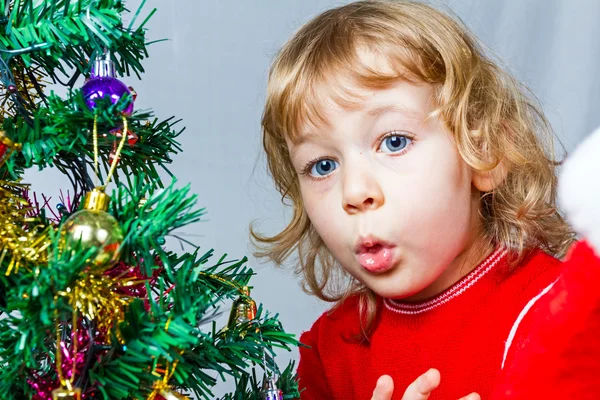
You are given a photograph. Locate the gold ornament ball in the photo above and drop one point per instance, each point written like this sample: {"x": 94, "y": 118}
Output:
{"x": 66, "y": 394}
{"x": 94, "y": 228}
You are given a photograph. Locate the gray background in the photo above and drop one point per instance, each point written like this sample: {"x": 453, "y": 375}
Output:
{"x": 212, "y": 74}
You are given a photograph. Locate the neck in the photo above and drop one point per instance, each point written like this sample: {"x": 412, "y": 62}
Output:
{"x": 475, "y": 252}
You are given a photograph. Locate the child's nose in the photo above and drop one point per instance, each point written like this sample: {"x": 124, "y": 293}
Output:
{"x": 361, "y": 192}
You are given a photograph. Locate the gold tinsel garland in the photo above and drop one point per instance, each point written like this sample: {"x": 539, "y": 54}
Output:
{"x": 24, "y": 86}
{"x": 96, "y": 297}
{"x": 23, "y": 239}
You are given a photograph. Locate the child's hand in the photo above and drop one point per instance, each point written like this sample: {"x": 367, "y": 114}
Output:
{"x": 420, "y": 389}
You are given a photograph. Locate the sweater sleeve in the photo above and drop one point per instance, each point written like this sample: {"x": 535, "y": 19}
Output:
{"x": 311, "y": 375}
{"x": 555, "y": 351}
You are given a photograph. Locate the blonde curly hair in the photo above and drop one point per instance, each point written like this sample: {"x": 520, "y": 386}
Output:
{"x": 492, "y": 117}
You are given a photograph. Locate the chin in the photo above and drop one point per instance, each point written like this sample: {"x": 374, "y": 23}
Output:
{"x": 394, "y": 292}
{"x": 393, "y": 284}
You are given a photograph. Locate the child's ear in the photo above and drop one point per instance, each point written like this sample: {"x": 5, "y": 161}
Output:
{"x": 486, "y": 181}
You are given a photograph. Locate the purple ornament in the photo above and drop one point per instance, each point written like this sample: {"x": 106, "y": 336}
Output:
{"x": 103, "y": 82}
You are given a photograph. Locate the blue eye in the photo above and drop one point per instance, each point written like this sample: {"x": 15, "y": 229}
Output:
{"x": 394, "y": 143}
{"x": 323, "y": 167}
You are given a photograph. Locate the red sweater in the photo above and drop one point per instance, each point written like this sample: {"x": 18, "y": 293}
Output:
{"x": 554, "y": 347}
{"x": 462, "y": 332}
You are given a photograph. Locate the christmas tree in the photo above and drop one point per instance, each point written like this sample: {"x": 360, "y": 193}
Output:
{"x": 92, "y": 303}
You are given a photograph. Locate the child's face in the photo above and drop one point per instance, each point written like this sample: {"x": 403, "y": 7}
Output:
{"x": 388, "y": 192}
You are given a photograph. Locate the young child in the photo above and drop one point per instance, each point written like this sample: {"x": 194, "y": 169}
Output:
{"x": 423, "y": 186}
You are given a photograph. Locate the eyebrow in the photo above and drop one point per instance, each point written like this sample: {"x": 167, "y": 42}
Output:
{"x": 298, "y": 141}
{"x": 304, "y": 137}
{"x": 391, "y": 108}
{"x": 372, "y": 113}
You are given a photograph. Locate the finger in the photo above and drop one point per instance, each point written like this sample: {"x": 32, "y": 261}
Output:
{"x": 422, "y": 387}
{"x": 384, "y": 388}
{"x": 472, "y": 396}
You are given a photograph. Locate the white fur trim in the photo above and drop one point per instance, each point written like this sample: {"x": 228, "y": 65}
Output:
{"x": 513, "y": 330}
{"x": 579, "y": 189}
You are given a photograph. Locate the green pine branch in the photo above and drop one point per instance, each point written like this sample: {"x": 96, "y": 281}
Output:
{"x": 148, "y": 215}
{"x": 28, "y": 329}
{"x": 172, "y": 331}
{"x": 65, "y": 34}
{"x": 175, "y": 323}
{"x": 248, "y": 387}
{"x": 63, "y": 131}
